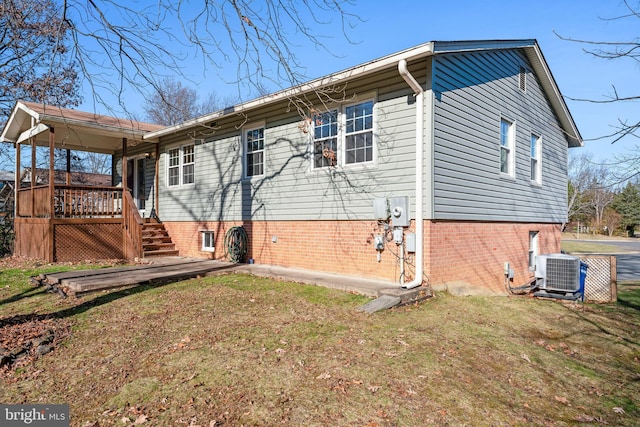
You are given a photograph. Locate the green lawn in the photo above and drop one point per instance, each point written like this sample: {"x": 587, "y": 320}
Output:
{"x": 589, "y": 247}
{"x": 240, "y": 350}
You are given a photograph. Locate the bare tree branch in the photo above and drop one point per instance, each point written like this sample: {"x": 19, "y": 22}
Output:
{"x": 614, "y": 50}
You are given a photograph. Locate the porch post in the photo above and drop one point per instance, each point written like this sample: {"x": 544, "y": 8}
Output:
{"x": 124, "y": 164}
{"x": 68, "y": 175}
{"x": 52, "y": 177}
{"x": 16, "y": 185}
{"x": 157, "y": 181}
{"x": 125, "y": 208}
{"x": 52, "y": 143}
{"x": 33, "y": 176}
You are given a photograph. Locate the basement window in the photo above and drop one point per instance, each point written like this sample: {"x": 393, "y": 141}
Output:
{"x": 208, "y": 242}
{"x": 533, "y": 249}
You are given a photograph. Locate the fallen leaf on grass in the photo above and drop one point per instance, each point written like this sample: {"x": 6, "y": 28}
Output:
{"x": 323, "y": 376}
{"x": 618, "y": 410}
{"x": 584, "y": 418}
{"x": 373, "y": 388}
{"x": 140, "y": 420}
{"x": 562, "y": 400}
{"x": 525, "y": 357}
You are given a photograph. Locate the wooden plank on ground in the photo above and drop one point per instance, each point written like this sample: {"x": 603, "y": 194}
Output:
{"x": 57, "y": 278}
{"x": 161, "y": 273}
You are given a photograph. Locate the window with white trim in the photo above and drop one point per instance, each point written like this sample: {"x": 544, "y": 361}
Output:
{"x": 536, "y": 166}
{"x": 359, "y": 133}
{"x": 507, "y": 147}
{"x": 188, "y": 164}
{"x": 208, "y": 242}
{"x": 325, "y": 139}
{"x": 254, "y": 152}
{"x": 533, "y": 249}
{"x": 343, "y": 136}
{"x": 181, "y": 165}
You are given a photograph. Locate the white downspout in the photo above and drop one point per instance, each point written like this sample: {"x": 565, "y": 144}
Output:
{"x": 419, "y": 93}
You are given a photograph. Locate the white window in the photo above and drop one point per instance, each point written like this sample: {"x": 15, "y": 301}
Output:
{"x": 254, "y": 152}
{"x": 506, "y": 147}
{"x": 359, "y": 133}
{"x": 533, "y": 249}
{"x": 181, "y": 165}
{"x": 208, "y": 243}
{"x": 343, "y": 137}
{"x": 536, "y": 166}
{"x": 325, "y": 139}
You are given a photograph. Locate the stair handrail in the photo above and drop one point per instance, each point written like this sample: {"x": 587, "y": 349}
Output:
{"x": 132, "y": 223}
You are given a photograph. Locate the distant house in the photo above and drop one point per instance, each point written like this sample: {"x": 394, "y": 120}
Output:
{"x": 437, "y": 164}
{"x": 7, "y": 181}
{"x": 77, "y": 178}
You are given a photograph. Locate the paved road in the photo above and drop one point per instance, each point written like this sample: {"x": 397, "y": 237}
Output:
{"x": 628, "y": 261}
{"x": 628, "y": 266}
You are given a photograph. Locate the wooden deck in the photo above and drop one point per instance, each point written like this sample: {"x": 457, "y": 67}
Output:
{"x": 173, "y": 270}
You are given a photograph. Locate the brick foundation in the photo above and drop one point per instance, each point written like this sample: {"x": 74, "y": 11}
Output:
{"x": 470, "y": 252}
{"x": 475, "y": 252}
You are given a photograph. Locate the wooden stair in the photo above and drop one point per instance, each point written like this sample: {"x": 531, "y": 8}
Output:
{"x": 156, "y": 240}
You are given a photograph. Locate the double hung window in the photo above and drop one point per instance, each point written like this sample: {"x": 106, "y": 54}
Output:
{"x": 325, "y": 139}
{"x": 343, "y": 137}
{"x": 507, "y": 147}
{"x": 181, "y": 165}
{"x": 536, "y": 169}
{"x": 359, "y": 133}
{"x": 254, "y": 152}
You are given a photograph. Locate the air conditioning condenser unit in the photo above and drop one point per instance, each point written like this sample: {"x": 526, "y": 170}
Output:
{"x": 558, "y": 273}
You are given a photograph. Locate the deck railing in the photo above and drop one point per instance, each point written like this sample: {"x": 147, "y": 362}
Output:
{"x": 71, "y": 201}
{"x": 132, "y": 226}
{"x": 37, "y": 206}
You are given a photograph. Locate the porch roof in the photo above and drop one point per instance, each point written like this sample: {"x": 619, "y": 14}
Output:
{"x": 74, "y": 130}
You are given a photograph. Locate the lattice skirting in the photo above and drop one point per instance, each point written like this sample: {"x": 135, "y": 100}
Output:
{"x": 78, "y": 242}
{"x": 600, "y": 283}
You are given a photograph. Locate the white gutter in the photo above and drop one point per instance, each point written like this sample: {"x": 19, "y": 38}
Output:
{"x": 340, "y": 77}
{"x": 419, "y": 92}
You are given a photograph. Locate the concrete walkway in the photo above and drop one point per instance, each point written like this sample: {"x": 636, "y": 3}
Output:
{"x": 168, "y": 269}
{"x": 357, "y": 285}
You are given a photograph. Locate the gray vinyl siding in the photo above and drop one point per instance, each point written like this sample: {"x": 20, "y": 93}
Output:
{"x": 290, "y": 189}
{"x": 149, "y": 171}
{"x": 472, "y": 92}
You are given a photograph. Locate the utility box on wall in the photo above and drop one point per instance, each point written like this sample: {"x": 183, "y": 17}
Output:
{"x": 380, "y": 209}
{"x": 399, "y": 207}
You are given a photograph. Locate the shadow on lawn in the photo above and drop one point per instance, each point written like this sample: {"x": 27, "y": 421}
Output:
{"x": 31, "y": 292}
{"x": 629, "y": 296}
{"x": 99, "y": 300}
{"x": 621, "y": 317}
